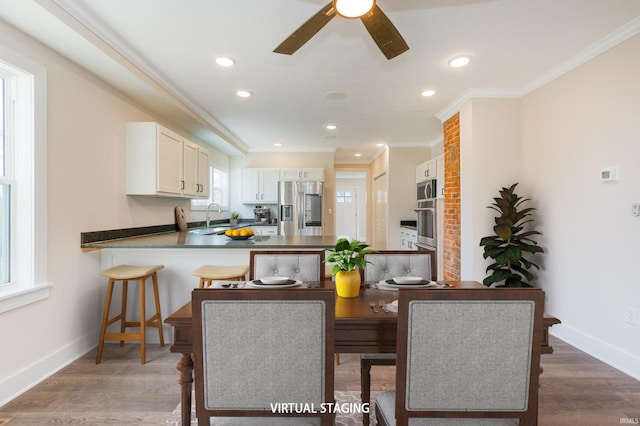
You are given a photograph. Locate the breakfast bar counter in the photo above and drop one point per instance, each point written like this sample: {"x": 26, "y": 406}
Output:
{"x": 181, "y": 253}
{"x": 201, "y": 238}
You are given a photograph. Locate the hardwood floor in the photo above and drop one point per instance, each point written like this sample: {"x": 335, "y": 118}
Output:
{"x": 576, "y": 389}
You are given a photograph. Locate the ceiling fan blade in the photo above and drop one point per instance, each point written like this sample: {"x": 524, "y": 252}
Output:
{"x": 307, "y": 30}
{"x": 384, "y": 33}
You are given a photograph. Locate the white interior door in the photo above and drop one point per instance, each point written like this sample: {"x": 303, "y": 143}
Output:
{"x": 380, "y": 212}
{"x": 347, "y": 212}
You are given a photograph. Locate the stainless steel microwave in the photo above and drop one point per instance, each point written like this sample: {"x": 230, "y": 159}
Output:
{"x": 426, "y": 190}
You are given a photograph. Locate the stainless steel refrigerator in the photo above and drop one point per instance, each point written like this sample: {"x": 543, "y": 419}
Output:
{"x": 300, "y": 208}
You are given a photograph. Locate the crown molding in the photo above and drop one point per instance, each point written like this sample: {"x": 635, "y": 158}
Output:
{"x": 105, "y": 39}
{"x": 608, "y": 42}
{"x": 451, "y": 109}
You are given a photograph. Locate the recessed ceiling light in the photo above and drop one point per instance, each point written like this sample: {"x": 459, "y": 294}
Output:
{"x": 335, "y": 95}
{"x": 358, "y": 154}
{"x": 331, "y": 127}
{"x": 427, "y": 93}
{"x": 223, "y": 61}
{"x": 380, "y": 144}
{"x": 277, "y": 144}
{"x": 243, "y": 93}
{"x": 459, "y": 61}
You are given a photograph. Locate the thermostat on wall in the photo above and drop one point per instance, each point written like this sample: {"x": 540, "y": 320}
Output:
{"x": 609, "y": 174}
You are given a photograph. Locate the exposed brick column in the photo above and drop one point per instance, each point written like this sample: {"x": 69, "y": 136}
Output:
{"x": 452, "y": 199}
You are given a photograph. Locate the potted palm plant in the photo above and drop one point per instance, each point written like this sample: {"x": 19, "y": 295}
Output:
{"x": 511, "y": 242}
{"x": 348, "y": 259}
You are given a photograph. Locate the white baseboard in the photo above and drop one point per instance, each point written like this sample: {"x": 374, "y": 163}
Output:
{"x": 23, "y": 380}
{"x": 626, "y": 362}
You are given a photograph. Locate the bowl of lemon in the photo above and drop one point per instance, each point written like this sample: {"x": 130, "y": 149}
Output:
{"x": 239, "y": 233}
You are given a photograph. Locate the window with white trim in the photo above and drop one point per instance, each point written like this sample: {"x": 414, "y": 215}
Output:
{"x": 23, "y": 201}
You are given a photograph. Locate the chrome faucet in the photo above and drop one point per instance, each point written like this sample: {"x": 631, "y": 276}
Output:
{"x": 208, "y": 207}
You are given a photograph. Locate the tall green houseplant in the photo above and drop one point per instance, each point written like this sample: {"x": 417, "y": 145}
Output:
{"x": 511, "y": 242}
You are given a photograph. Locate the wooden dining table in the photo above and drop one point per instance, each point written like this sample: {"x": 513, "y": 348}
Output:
{"x": 359, "y": 328}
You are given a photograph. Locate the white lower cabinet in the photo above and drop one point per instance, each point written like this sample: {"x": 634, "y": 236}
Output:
{"x": 408, "y": 239}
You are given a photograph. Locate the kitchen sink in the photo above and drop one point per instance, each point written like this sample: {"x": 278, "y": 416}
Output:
{"x": 213, "y": 230}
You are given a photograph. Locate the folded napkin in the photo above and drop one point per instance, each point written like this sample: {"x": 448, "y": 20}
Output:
{"x": 392, "y": 307}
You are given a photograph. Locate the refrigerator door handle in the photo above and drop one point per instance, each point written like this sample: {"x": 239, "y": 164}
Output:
{"x": 300, "y": 210}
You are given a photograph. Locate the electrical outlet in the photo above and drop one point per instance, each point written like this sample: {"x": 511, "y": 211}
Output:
{"x": 632, "y": 316}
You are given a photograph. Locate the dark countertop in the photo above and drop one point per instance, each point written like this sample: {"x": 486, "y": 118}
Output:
{"x": 197, "y": 238}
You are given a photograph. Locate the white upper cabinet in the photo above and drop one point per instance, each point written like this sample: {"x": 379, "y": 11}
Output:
{"x": 309, "y": 174}
{"x": 426, "y": 170}
{"x": 259, "y": 186}
{"x": 162, "y": 163}
{"x": 204, "y": 183}
{"x": 432, "y": 169}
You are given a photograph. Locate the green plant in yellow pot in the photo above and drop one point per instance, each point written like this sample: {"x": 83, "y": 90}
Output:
{"x": 349, "y": 260}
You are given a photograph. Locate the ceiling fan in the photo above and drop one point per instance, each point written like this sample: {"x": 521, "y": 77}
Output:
{"x": 383, "y": 32}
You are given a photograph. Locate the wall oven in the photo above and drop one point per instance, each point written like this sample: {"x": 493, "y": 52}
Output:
{"x": 426, "y": 224}
{"x": 426, "y": 214}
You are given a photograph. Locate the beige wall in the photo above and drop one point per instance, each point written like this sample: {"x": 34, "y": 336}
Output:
{"x": 555, "y": 141}
{"x": 402, "y": 189}
{"x": 85, "y": 184}
{"x": 572, "y": 128}
{"x": 489, "y": 160}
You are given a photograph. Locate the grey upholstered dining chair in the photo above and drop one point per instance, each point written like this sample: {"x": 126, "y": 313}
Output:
{"x": 295, "y": 264}
{"x": 466, "y": 357}
{"x": 387, "y": 264}
{"x": 256, "y": 348}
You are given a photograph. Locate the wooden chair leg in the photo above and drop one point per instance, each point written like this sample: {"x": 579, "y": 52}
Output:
{"x": 365, "y": 387}
{"x": 337, "y": 359}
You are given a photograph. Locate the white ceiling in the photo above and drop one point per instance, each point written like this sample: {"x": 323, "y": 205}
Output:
{"x": 161, "y": 53}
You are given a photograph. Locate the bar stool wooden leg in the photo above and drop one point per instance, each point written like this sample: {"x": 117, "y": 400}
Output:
{"x": 123, "y": 313}
{"x": 158, "y": 315}
{"x": 105, "y": 319}
{"x": 143, "y": 321}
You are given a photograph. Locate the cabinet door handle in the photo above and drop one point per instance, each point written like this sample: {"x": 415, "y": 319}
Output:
{"x": 182, "y": 184}
{"x": 257, "y": 197}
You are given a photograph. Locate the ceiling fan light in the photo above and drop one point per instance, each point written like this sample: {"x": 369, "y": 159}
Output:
{"x": 353, "y": 8}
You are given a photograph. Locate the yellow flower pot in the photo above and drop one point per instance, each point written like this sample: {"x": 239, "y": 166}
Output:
{"x": 348, "y": 283}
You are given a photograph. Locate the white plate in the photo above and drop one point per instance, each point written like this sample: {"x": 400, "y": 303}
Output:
{"x": 275, "y": 280}
{"x": 386, "y": 286}
{"x": 253, "y": 284}
{"x": 407, "y": 280}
